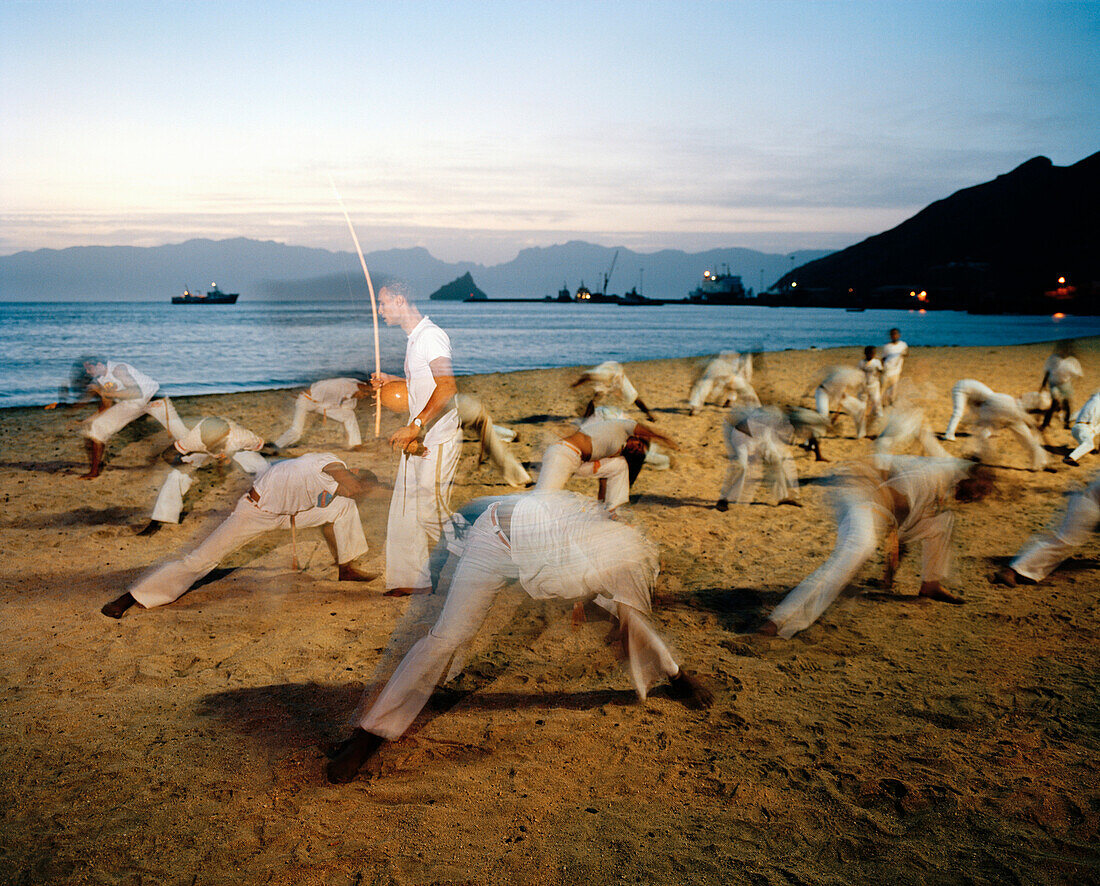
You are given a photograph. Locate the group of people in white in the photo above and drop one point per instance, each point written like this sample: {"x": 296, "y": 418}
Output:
{"x": 560, "y": 544}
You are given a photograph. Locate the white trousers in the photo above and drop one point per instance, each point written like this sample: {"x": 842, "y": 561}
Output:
{"x": 891, "y": 376}
{"x": 485, "y": 568}
{"x": 860, "y": 524}
{"x": 960, "y": 401}
{"x": 777, "y": 465}
{"x": 170, "y": 581}
{"x": 303, "y": 406}
{"x": 419, "y": 509}
{"x": 1084, "y": 434}
{"x": 561, "y": 461}
{"x": 851, "y": 406}
{"x": 1022, "y": 432}
{"x": 1044, "y": 552}
{"x": 169, "y": 502}
{"x": 106, "y": 424}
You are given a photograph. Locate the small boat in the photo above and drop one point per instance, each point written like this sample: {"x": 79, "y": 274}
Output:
{"x": 214, "y": 297}
{"x": 719, "y": 288}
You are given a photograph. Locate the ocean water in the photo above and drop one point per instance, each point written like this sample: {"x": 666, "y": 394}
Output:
{"x": 253, "y": 345}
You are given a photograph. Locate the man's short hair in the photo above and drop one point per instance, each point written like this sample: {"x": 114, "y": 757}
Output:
{"x": 399, "y": 287}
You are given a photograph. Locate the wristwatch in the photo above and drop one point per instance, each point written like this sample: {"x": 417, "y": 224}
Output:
{"x": 418, "y": 423}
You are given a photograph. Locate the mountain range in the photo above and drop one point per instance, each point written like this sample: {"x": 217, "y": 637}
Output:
{"x": 266, "y": 270}
{"x": 1028, "y": 241}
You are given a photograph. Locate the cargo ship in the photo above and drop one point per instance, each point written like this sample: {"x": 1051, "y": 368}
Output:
{"x": 214, "y": 297}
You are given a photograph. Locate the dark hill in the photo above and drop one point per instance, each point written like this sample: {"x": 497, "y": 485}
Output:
{"x": 998, "y": 246}
{"x": 459, "y": 290}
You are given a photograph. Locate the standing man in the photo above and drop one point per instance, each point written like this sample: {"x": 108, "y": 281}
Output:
{"x": 1059, "y": 373}
{"x": 430, "y": 444}
{"x": 894, "y": 353}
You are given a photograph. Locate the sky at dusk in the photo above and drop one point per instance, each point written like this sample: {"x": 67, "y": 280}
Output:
{"x": 478, "y": 129}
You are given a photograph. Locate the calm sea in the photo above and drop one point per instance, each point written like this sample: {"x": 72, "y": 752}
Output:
{"x": 252, "y": 346}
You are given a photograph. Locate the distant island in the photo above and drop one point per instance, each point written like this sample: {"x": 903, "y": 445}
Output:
{"x": 462, "y": 289}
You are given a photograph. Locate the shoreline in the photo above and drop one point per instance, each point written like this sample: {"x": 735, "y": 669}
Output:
{"x": 895, "y": 740}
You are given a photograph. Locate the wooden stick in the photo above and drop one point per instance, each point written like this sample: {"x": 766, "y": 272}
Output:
{"x": 373, "y": 308}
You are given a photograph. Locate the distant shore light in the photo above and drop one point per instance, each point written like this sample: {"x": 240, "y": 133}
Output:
{"x": 1059, "y": 316}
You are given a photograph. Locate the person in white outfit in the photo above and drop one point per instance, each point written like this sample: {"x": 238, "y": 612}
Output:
{"x": 124, "y": 394}
{"x": 725, "y": 380}
{"x": 763, "y": 433}
{"x": 609, "y": 380}
{"x": 839, "y": 392}
{"x": 894, "y": 353}
{"x": 1059, "y": 373}
{"x": 905, "y": 427}
{"x": 316, "y": 489}
{"x": 430, "y": 444}
{"x": 332, "y": 398}
{"x": 212, "y": 441}
{"x": 1000, "y": 411}
{"x": 612, "y": 451}
{"x": 967, "y": 394}
{"x": 871, "y": 367}
{"x": 1046, "y": 551}
{"x": 904, "y": 502}
{"x": 1086, "y": 429}
{"x": 493, "y": 440}
{"x": 557, "y": 545}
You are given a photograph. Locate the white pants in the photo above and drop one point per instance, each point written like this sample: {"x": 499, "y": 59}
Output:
{"x": 777, "y": 464}
{"x": 419, "y": 509}
{"x": 170, "y": 581}
{"x": 860, "y": 524}
{"x": 485, "y": 568}
{"x": 106, "y": 424}
{"x": 1021, "y": 431}
{"x": 960, "y": 401}
{"x": 872, "y": 407}
{"x": 1084, "y": 434}
{"x": 178, "y": 482}
{"x": 1044, "y": 552}
{"x": 561, "y": 461}
{"x": 905, "y": 428}
{"x": 891, "y": 376}
{"x": 303, "y": 406}
{"x": 848, "y": 404}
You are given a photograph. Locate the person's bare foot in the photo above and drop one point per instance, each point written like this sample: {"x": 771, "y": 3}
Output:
{"x": 722, "y": 505}
{"x": 691, "y": 690}
{"x": 350, "y": 573}
{"x": 91, "y": 475}
{"x": 119, "y": 605}
{"x": 150, "y": 528}
{"x": 351, "y": 754}
{"x": 1010, "y": 577}
{"x": 407, "y": 592}
{"x": 768, "y": 629}
{"x": 933, "y": 590}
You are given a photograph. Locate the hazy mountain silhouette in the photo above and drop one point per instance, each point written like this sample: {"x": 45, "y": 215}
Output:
{"x": 997, "y": 246}
{"x": 261, "y": 270}
{"x": 458, "y": 290}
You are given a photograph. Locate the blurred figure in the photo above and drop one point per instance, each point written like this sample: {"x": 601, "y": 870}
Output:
{"x": 726, "y": 378}
{"x": 493, "y": 440}
{"x": 124, "y": 394}
{"x": 902, "y": 502}
{"x": 967, "y": 395}
{"x": 905, "y": 427}
{"x": 991, "y": 412}
{"x": 420, "y": 506}
{"x": 331, "y": 398}
{"x": 894, "y": 353}
{"x": 1059, "y": 373}
{"x": 315, "y": 489}
{"x": 758, "y": 433}
{"x": 809, "y": 424}
{"x": 557, "y": 546}
{"x": 609, "y": 380}
{"x": 838, "y": 393}
{"x": 612, "y": 451}
{"x": 1086, "y": 429}
{"x": 212, "y": 441}
{"x": 871, "y": 367}
{"x": 1046, "y": 551}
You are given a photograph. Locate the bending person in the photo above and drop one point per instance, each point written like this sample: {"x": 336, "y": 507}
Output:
{"x": 557, "y": 546}
{"x": 493, "y": 440}
{"x": 1086, "y": 429}
{"x": 124, "y": 394}
{"x": 1059, "y": 373}
{"x": 213, "y": 441}
{"x": 332, "y": 398}
{"x": 903, "y": 503}
{"x": 762, "y": 431}
{"x": 609, "y": 380}
{"x": 725, "y": 379}
{"x": 316, "y": 489}
{"x": 839, "y": 392}
{"x": 613, "y": 451}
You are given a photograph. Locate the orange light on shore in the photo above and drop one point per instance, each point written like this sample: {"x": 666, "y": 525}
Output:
{"x": 922, "y": 311}
{"x": 1058, "y": 316}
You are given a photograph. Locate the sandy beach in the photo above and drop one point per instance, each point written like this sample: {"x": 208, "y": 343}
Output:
{"x": 895, "y": 741}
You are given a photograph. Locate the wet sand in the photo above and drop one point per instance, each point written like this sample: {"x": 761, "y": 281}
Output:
{"x": 895, "y": 741}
